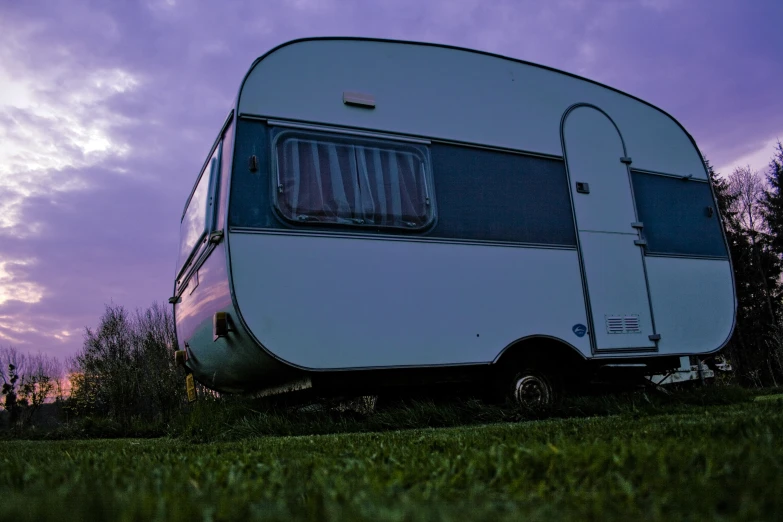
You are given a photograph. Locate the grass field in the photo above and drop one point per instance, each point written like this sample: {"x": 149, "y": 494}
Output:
{"x": 680, "y": 462}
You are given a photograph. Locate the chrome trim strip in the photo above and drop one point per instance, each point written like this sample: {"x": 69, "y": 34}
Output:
{"x": 682, "y": 256}
{"x": 667, "y": 175}
{"x": 343, "y": 130}
{"x": 652, "y": 349}
{"x": 387, "y": 237}
{"x": 306, "y": 124}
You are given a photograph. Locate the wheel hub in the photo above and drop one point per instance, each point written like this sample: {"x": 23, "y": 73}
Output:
{"x": 531, "y": 390}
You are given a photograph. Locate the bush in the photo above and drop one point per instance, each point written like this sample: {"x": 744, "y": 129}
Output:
{"x": 125, "y": 369}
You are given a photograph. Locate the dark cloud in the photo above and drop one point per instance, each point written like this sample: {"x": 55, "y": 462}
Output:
{"x": 112, "y": 236}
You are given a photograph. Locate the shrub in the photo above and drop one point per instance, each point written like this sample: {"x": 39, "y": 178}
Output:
{"x": 125, "y": 369}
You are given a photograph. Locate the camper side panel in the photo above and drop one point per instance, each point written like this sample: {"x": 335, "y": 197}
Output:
{"x": 340, "y": 302}
{"x": 693, "y": 303}
{"x": 457, "y": 96}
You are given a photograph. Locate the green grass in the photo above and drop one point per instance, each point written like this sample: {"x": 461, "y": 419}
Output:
{"x": 681, "y": 461}
{"x": 237, "y": 419}
{"x": 774, "y": 397}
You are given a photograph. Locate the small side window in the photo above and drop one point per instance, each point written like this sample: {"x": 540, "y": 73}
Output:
{"x": 678, "y": 215}
{"x": 326, "y": 179}
{"x": 199, "y": 212}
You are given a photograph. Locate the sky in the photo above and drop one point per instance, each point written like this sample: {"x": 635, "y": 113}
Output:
{"x": 108, "y": 110}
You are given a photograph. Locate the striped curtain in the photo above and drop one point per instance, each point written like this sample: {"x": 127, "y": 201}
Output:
{"x": 343, "y": 183}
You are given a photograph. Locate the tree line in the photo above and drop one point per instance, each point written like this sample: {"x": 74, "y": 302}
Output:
{"x": 29, "y": 380}
{"x": 751, "y": 206}
{"x": 125, "y": 369}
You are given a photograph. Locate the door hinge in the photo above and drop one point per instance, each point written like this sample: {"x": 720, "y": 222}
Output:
{"x": 216, "y": 237}
{"x": 626, "y": 159}
{"x": 637, "y": 224}
{"x": 174, "y": 300}
{"x": 640, "y": 242}
{"x": 654, "y": 337}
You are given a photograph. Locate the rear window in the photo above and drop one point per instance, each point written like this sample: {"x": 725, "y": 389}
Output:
{"x": 330, "y": 179}
{"x": 193, "y": 226}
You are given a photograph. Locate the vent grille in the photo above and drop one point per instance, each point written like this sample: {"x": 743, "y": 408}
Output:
{"x": 614, "y": 324}
{"x": 631, "y": 323}
{"x": 622, "y": 324}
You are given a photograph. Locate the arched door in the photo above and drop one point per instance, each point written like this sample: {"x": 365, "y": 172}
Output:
{"x": 610, "y": 240}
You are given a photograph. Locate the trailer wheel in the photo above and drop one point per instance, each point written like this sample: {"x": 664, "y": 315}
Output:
{"x": 532, "y": 388}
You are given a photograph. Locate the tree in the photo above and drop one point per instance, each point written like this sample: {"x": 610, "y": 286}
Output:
{"x": 126, "y": 366}
{"x": 773, "y": 215}
{"x": 747, "y": 187}
{"x": 38, "y": 384}
{"x": 773, "y": 199}
{"x": 757, "y": 270}
{"x": 29, "y": 381}
{"x": 9, "y": 364}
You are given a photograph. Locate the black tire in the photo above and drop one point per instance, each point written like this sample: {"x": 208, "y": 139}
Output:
{"x": 533, "y": 388}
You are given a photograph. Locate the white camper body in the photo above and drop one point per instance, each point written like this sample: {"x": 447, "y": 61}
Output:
{"x": 374, "y": 207}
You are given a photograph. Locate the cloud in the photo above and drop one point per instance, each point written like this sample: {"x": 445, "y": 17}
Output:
{"x": 108, "y": 110}
{"x": 758, "y": 158}
{"x": 55, "y": 122}
{"x": 52, "y": 119}
{"x": 11, "y": 288}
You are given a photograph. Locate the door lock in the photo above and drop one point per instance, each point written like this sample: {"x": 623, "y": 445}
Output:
{"x": 582, "y": 187}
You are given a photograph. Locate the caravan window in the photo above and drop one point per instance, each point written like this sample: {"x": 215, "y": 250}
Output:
{"x": 195, "y": 219}
{"x": 325, "y": 179}
{"x": 678, "y": 215}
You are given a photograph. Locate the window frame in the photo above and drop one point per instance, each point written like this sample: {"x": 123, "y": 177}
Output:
{"x": 471, "y": 211}
{"x": 211, "y": 168}
{"x": 419, "y": 148}
{"x": 657, "y": 231}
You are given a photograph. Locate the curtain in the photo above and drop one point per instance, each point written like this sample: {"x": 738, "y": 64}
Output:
{"x": 344, "y": 183}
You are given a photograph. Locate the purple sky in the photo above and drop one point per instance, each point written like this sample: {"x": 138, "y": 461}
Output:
{"x": 107, "y": 111}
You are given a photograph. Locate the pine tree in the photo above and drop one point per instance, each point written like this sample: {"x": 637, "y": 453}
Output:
{"x": 757, "y": 270}
{"x": 773, "y": 216}
{"x": 773, "y": 200}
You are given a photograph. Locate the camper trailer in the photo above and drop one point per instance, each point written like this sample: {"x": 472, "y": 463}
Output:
{"x": 376, "y": 214}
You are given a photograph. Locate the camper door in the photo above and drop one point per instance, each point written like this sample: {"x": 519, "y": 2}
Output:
{"x": 610, "y": 242}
